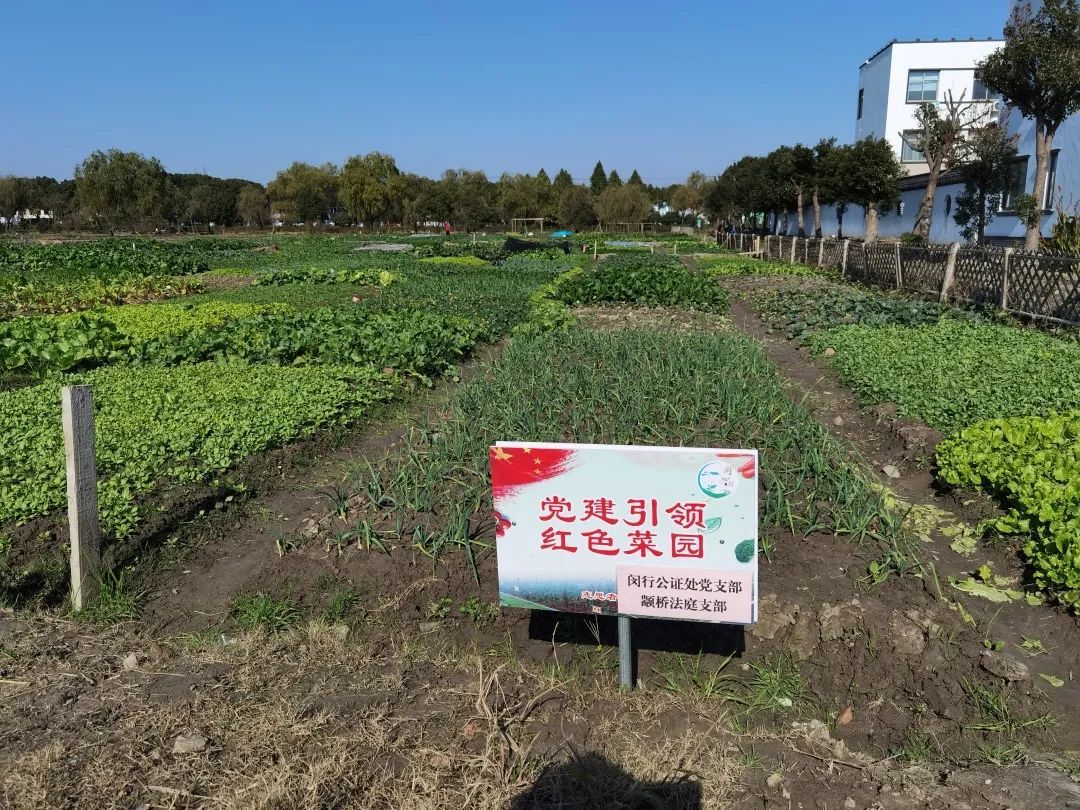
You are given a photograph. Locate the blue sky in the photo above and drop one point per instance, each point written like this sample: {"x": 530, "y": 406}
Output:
{"x": 241, "y": 89}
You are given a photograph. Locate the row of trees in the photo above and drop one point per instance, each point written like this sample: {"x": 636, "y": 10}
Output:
{"x": 114, "y": 189}
{"x": 866, "y": 173}
{"x": 117, "y": 189}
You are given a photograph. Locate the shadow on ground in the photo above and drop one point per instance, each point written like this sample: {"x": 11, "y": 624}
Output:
{"x": 658, "y": 635}
{"x": 589, "y": 781}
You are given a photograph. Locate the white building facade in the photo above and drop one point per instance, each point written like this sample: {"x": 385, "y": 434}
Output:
{"x": 892, "y": 84}
{"x": 903, "y": 75}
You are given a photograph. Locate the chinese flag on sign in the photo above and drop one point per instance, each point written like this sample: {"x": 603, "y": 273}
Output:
{"x": 515, "y": 467}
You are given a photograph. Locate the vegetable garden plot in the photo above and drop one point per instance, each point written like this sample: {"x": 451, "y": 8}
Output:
{"x": 952, "y": 374}
{"x": 165, "y": 426}
{"x": 632, "y": 387}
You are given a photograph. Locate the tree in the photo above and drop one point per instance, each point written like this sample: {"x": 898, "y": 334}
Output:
{"x": 1037, "y": 72}
{"x": 614, "y": 179}
{"x": 779, "y": 193}
{"x": 253, "y": 206}
{"x": 822, "y": 183}
{"x": 869, "y": 174}
{"x": 121, "y": 188}
{"x": 304, "y": 192}
{"x": 802, "y": 178}
{"x": 690, "y": 196}
{"x": 576, "y": 208}
{"x": 472, "y": 198}
{"x": 598, "y": 180}
{"x": 627, "y": 204}
{"x": 13, "y": 195}
{"x": 990, "y": 152}
{"x": 940, "y": 139}
{"x": 635, "y": 179}
{"x": 370, "y": 187}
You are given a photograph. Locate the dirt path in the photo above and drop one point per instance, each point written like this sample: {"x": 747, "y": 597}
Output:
{"x": 906, "y": 444}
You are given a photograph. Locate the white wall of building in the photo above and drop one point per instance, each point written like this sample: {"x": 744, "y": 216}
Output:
{"x": 890, "y": 224}
{"x": 884, "y": 81}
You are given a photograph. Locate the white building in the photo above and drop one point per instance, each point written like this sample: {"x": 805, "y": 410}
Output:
{"x": 902, "y": 75}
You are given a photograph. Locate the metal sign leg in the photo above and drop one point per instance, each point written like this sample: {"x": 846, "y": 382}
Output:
{"x": 626, "y": 655}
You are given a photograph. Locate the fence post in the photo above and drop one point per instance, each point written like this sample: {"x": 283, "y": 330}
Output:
{"x": 843, "y": 258}
{"x": 794, "y": 244}
{"x": 820, "y": 252}
{"x": 77, "y": 405}
{"x": 1005, "y": 277}
{"x": 950, "y": 271}
{"x": 899, "y": 277}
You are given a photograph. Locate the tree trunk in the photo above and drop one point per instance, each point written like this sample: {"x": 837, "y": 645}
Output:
{"x": 926, "y": 208}
{"x": 817, "y": 214}
{"x": 982, "y": 216}
{"x": 1044, "y": 141}
{"x": 871, "y": 222}
{"x": 801, "y": 220}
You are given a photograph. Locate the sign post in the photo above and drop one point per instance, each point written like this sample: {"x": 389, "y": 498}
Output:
{"x": 651, "y": 532}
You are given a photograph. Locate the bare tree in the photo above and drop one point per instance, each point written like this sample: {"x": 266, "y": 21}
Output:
{"x": 941, "y": 140}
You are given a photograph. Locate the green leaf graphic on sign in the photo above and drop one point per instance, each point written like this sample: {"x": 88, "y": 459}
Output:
{"x": 712, "y": 524}
{"x": 744, "y": 552}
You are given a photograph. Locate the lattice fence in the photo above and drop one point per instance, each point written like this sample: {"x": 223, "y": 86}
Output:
{"x": 979, "y": 274}
{"x": 856, "y": 262}
{"x": 881, "y": 265}
{"x": 774, "y": 247}
{"x": 833, "y": 256}
{"x": 922, "y": 269}
{"x": 1044, "y": 286}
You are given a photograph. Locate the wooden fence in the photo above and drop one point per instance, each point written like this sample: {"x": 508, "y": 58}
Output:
{"x": 1035, "y": 285}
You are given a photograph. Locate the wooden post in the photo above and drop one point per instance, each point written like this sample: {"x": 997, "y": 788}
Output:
{"x": 899, "y": 277}
{"x": 675, "y": 250}
{"x": 820, "y": 252}
{"x": 594, "y": 250}
{"x": 794, "y": 244}
{"x": 1005, "y": 277}
{"x": 843, "y": 258}
{"x": 84, "y": 526}
{"x": 950, "y": 271}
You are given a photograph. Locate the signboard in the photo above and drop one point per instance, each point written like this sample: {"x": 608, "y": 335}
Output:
{"x": 662, "y": 532}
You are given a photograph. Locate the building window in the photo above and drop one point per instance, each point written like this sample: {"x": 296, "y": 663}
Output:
{"x": 922, "y": 86}
{"x": 948, "y": 204}
{"x": 1051, "y": 181}
{"x": 858, "y": 115}
{"x": 1015, "y": 184}
{"x": 980, "y": 92}
{"x": 908, "y": 153}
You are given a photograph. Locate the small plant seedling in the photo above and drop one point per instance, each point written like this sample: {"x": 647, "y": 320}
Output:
{"x": 116, "y": 601}
{"x": 341, "y": 603}
{"x": 339, "y": 497}
{"x": 479, "y": 611}
{"x": 261, "y": 611}
{"x": 1032, "y": 646}
{"x": 287, "y": 542}
{"x": 369, "y": 537}
{"x": 338, "y": 541}
{"x": 995, "y": 645}
{"x": 917, "y": 748}
{"x": 438, "y": 608}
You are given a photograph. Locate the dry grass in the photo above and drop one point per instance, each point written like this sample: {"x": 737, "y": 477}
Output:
{"x": 310, "y": 719}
